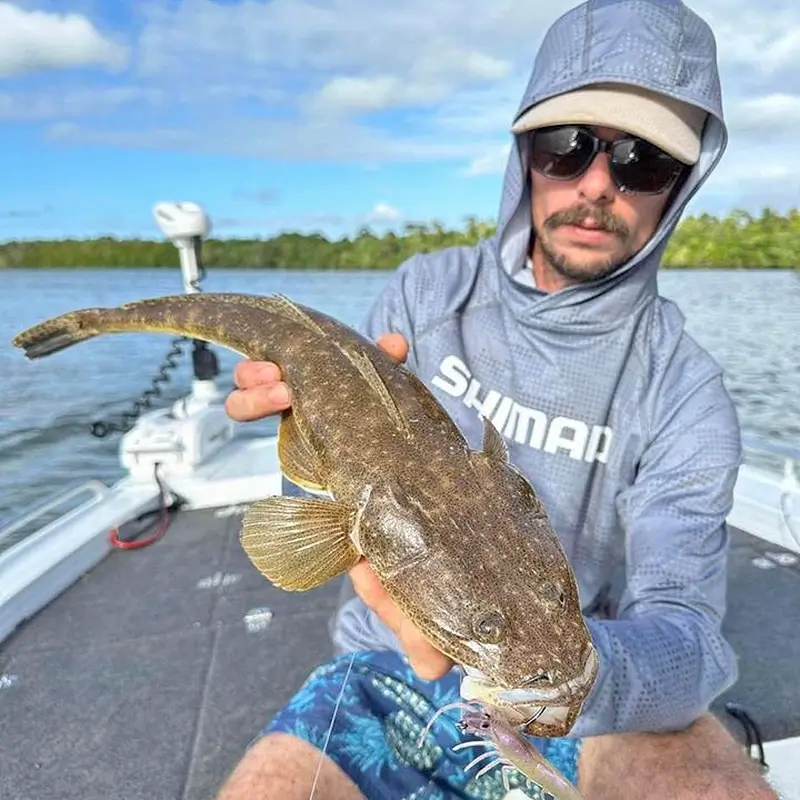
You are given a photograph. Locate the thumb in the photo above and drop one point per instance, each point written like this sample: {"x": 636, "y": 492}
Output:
{"x": 394, "y": 345}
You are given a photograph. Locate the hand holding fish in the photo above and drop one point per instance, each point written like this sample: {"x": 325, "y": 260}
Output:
{"x": 261, "y": 393}
{"x": 428, "y": 662}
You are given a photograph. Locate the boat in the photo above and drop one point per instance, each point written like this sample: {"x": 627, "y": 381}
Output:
{"x": 141, "y": 653}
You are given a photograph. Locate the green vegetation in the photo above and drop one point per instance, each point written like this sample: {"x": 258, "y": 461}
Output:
{"x": 736, "y": 240}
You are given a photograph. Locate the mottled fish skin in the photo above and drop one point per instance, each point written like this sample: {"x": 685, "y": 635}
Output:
{"x": 458, "y": 538}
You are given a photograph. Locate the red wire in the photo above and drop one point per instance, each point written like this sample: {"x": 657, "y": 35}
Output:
{"x": 160, "y": 530}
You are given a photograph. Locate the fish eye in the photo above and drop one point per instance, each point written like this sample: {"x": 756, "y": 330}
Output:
{"x": 490, "y": 627}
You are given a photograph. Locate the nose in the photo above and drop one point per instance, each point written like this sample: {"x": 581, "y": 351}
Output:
{"x": 596, "y": 184}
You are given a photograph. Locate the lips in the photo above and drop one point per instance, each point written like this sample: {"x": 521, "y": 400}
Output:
{"x": 589, "y": 228}
{"x": 556, "y": 694}
{"x": 476, "y": 685}
{"x": 553, "y": 709}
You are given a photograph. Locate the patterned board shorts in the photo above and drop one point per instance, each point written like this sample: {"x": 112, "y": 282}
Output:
{"x": 379, "y": 718}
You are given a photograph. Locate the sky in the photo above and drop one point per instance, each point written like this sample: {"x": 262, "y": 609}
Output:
{"x": 322, "y": 115}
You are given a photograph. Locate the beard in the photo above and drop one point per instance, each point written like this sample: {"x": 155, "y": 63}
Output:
{"x": 593, "y": 266}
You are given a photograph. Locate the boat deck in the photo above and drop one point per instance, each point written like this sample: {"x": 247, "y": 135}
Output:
{"x": 150, "y": 676}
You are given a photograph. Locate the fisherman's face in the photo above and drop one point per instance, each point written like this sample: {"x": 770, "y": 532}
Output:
{"x": 585, "y": 228}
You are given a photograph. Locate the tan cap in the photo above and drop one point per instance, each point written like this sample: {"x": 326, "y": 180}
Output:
{"x": 667, "y": 123}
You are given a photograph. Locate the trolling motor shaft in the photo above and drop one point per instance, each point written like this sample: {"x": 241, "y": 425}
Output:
{"x": 186, "y": 224}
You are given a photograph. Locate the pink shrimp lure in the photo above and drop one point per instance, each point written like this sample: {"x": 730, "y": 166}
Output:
{"x": 507, "y": 748}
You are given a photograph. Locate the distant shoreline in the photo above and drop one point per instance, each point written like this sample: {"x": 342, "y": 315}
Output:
{"x": 736, "y": 241}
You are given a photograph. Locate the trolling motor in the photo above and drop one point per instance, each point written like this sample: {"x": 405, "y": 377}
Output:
{"x": 183, "y": 437}
{"x": 185, "y": 224}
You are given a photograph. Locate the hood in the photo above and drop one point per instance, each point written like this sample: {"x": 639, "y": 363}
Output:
{"x": 659, "y": 45}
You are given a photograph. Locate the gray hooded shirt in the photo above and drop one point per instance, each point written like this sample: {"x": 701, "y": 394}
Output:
{"x": 617, "y": 417}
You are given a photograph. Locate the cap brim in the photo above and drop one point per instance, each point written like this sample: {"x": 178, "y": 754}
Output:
{"x": 673, "y": 126}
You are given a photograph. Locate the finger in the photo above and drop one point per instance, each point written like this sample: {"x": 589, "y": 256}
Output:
{"x": 369, "y": 589}
{"x": 394, "y": 345}
{"x": 247, "y": 374}
{"x": 246, "y": 405}
{"x": 428, "y": 662}
{"x": 425, "y": 659}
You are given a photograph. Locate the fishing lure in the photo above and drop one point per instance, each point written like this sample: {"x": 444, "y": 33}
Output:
{"x": 507, "y": 748}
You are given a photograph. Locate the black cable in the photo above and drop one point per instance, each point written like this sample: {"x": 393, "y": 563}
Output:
{"x": 751, "y": 731}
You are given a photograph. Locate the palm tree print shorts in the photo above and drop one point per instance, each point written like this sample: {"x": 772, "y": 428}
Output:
{"x": 379, "y": 718}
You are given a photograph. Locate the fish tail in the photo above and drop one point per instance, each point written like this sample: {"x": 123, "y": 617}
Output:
{"x": 249, "y": 325}
{"x": 58, "y": 333}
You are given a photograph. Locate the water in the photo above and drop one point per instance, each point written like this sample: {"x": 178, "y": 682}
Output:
{"x": 749, "y": 321}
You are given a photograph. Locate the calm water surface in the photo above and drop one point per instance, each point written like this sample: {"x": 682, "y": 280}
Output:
{"x": 749, "y": 321}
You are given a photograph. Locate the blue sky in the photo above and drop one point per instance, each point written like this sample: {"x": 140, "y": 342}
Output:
{"x": 320, "y": 114}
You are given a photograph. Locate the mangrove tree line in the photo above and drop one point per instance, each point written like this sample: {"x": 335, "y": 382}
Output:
{"x": 739, "y": 239}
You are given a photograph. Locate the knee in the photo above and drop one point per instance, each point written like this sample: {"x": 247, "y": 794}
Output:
{"x": 701, "y": 761}
{"x": 262, "y": 761}
{"x": 278, "y": 746}
{"x": 280, "y": 765}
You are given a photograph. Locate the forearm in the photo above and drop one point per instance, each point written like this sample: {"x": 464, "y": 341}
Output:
{"x": 658, "y": 672}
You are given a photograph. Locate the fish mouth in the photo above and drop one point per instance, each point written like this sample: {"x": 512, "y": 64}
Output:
{"x": 477, "y": 684}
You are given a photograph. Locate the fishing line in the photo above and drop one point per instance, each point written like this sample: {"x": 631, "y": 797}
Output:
{"x": 462, "y": 704}
{"x": 362, "y": 622}
{"x": 330, "y": 727}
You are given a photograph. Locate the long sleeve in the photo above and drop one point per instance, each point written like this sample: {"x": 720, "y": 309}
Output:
{"x": 663, "y": 659}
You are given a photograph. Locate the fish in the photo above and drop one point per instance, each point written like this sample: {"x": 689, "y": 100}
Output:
{"x": 457, "y": 536}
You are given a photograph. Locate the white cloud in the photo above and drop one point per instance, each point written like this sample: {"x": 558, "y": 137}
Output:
{"x": 320, "y": 140}
{"x": 344, "y": 94}
{"x": 491, "y": 163}
{"x": 773, "y": 114}
{"x": 383, "y": 213}
{"x": 427, "y": 84}
{"x": 764, "y": 36}
{"x": 32, "y": 41}
{"x": 77, "y": 103}
{"x": 456, "y": 68}
{"x": 487, "y": 111}
{"x": 370, "y": 83}
{"x": 461, "y": 40}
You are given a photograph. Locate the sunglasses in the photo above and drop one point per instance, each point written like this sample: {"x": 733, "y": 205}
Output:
{"x": 565, "y": 152}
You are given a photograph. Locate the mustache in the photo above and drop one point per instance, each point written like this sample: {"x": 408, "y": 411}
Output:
{"x": 579, "y": 214}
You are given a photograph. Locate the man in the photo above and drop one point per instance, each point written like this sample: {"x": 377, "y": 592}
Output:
{"x": 554, "y": 330}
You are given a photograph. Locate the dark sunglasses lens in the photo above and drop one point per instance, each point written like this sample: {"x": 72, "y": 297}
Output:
{"x": 638, "y": 166}
{"x": 561, "y": 153}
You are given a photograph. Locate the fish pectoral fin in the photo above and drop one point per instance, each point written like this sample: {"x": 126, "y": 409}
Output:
{"x": 494, "y": 445}
{"x": 299, "y": 543}
{"x": 298, "y": 459}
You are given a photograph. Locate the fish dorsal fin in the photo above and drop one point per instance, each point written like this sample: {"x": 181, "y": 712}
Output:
{"x": 363, "y": 363}
{"x": 289, "y": 309}
{"x": 494, "y": 445}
